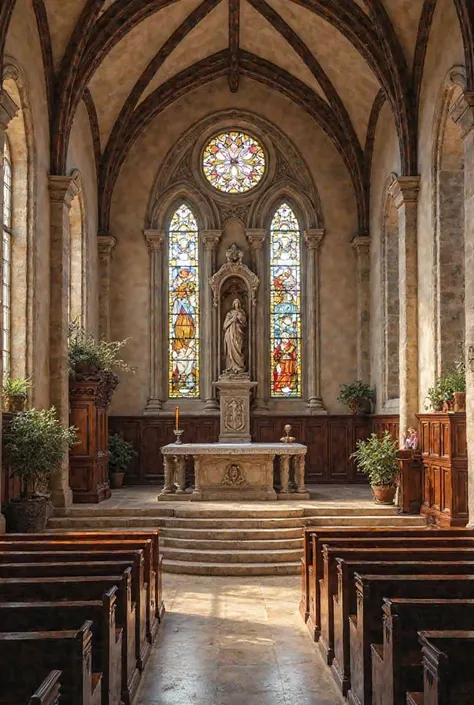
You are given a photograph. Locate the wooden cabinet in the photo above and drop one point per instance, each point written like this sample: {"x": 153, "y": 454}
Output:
{"x": 444, "y": 451}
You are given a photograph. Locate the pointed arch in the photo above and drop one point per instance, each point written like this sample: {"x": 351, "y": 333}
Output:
{"x": 162, "y": 205}
{"x": 308, "y": 213}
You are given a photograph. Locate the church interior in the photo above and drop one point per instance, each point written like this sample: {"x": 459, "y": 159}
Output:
{"x": 237, "y": 337}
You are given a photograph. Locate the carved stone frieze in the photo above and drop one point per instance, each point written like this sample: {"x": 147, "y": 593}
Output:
{"x": 234, "y": 476}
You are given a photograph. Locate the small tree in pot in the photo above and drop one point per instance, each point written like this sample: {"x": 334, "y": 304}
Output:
{"x": 35, "y": 443}
{"x": 121, "y": 454}
{"x": 377, "y": 458}
{"x": 357, "y": 396}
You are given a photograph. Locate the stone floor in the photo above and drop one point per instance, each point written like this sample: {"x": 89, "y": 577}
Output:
{"x": 235, "y": 641}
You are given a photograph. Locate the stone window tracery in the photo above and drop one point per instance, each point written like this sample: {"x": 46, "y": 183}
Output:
{"x": 233, "y": 162}
{"x": 183, "y": 304}
{"x": 7, "y": 256}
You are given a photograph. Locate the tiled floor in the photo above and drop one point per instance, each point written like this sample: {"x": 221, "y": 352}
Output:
{"x": 235, "y": 641}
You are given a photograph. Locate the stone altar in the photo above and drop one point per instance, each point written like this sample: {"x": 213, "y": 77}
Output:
{"x": 229, "y": 471}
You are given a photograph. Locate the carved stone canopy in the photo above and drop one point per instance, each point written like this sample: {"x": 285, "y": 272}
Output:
{"x": 234, "y": 267}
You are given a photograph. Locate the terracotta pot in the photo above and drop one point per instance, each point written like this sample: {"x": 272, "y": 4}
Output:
{"x": 358, "y": 406}
{"x": 384, "y": 494}
{"x": 116, "y": 480}
{"x": 15, "y": 403}
{"x": 28, "y": 515}
{"x": 459, "y": 401}
{"x": 448, "y": 406}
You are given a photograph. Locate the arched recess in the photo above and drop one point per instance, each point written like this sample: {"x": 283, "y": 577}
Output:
{"x": 22, "y": 260}
{"x": 389, "y": 277}
{"x": 448, "y": 222}
{"x": 309, "y": 213}
{"x": 78, "y": 256}
{"x": 161, "y": 208}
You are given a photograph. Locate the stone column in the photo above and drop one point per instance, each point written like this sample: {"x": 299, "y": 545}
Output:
{"x": 155, "y": 240}
{"x": 256, "y": 240}
{"x": 463, "y": 114}
{"x": 208, "y": 357}
{"x": 62, "y": 190}
{"x": 404, "y": 191}
{"x": 361, "y": 246}
{"x": 8, "y": 110}
{"x": 313, "y": 239}
{"x": 106, "y": 244}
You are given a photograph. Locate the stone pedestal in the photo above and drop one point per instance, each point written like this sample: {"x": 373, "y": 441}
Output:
{"x": 235, "y": 408}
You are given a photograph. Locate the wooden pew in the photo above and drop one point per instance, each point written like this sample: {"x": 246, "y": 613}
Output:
{"x": 426, "y": 538}
{"x": 60, "y": 616}
{"x": 49, "y": 691}
{"x": 366, "y": 626}
{"x": 447, "y": 663}
{"x": 86, "y": 588}
{"x": 339, "y": 567}
{"x": 99, "y": 545}
{"x": 27, "y": 657}
{"x": 59, "y": 569}
{"x": 119, "y": 536}
{"x": 397, "y": 663}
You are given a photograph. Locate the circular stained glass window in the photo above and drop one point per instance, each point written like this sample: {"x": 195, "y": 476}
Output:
{"x": 233, "y": 162}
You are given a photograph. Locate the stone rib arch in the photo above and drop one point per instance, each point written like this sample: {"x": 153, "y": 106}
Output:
{"x": 309, "y": 214}
{"x": 161, "y": 209}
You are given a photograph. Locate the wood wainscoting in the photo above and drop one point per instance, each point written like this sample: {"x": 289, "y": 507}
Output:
{"x": 11, "y": 486}
{"x": 330, "y": 441}
{"x": 444, "y": 450}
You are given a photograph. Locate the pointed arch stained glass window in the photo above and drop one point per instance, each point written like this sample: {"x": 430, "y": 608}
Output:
{"x": 183, "y": 304}
{"x": 285, "y": 303}
{"x": 233, "y": 162}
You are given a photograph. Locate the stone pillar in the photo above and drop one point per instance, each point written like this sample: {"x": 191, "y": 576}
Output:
{"x": 404, "y": 192}
{"x": 256, "y": 239}
{"x": 155, "y": 240}
{"x": 8, "y": 110}
{"x": 210, "y": 240}
{"x": 106, "y": 245}
{"x": 463, "y": 114}
{"x": 361, "y": 246}
{"x": 62, "y": 190}
{"x": 313, "y": 239}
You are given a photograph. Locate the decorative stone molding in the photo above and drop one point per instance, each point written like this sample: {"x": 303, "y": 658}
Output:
{"x": 209, "y": 359}
{"x": 256, "y": 238}
{"x": 63, "y": 189}
{"x": 313, "y": 239}
{"x": 8, "y": 110}
{"x": 361, "y": 247}
{"x": 210, "y": 239}
{"x": 155, "y": 240}
{"x": 462, "y": 112}
{"x": 404, "y": 190}
{"x": 106, "y": 244}
{"x": 234, "y": 269}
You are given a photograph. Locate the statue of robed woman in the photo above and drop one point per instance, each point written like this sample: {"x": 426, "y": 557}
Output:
{"x": 235, "y": 324}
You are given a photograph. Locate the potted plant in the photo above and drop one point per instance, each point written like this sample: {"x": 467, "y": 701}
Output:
{"x": 15, "y": 393}
{"x": 377, "y": 458}
{"x": 121, "y": 454}
{"x": 436, "y": 396}
{"x": 35, "y": 443}
{"x": 357, "y": 396}
{"x": 455, "y": 386}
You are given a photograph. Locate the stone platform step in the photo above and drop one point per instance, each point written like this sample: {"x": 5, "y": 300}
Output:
{"x": 232, "y": 534}
{"x": 247, "y": 556}
{"x": 246, "y": 569}
{"x": 262, "y": 510}
{"x": 218, "y": 545}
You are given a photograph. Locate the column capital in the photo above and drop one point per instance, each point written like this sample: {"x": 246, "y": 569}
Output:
{"x": 313, "y": 238}
{"x": 155, "y": 239}
{"x": 361, "y": 245}
{"x": 106, "y": 243}
{"x": 63, "y": 189}
{"x": 256, "y": 238}
{"x": 210, "y": 239}
{"x": 8, "y": 109}
{"x": 405, "y": 189}
{"x": 462, "y": 112}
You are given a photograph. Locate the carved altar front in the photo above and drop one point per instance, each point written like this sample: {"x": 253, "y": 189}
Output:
{"x": 238, "y": 472}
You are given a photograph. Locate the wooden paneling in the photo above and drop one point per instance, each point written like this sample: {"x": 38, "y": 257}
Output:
{"x": 444, "y": 452}
{"x": 11, "y": 486}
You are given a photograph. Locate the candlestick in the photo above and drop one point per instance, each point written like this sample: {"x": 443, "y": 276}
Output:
{"x": 178, "y": 433}
{"x": 176, "y": 417}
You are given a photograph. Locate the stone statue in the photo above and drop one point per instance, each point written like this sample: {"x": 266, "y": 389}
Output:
{"x": 234, "y": 332}
{"x": 234, "y": 255}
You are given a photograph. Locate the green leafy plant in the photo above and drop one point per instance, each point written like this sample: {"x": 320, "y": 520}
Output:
{"x": 86, "y": 351}
{"x": 121, "y": 453}
{"x": 16, "y": 387}
{"x": 35, "y": 443}
{"x": 454, "y": 380}
{"x": 357, "y": 396}
{"x": 377, "y": 458}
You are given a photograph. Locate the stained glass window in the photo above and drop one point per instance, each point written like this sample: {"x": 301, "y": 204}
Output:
{"x": 183, "y": 304}
{"x": 285, "y": 303}
{"x": 7, "y": 247}
{"x": 233, "y": 162}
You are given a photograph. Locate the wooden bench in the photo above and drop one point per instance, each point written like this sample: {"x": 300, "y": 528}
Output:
{"x": 366, "y": 625}
{"x": 60, "y": 616}
{"x": 153, "y": 577}
{"x": 86, "y": 588}
{"x": 49, "y": 691}
{"x": 425, "y": 539}
{"x": 447, "y": 663}
{"x": 59, "y": 569}
{"x": 336, "y": 594}
{"x": 26, "y": 658}
{"x": 397, "y": 663}
{"x": 311, "y": 563}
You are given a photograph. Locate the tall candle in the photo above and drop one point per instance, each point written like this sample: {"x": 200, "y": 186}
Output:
{"x": 176, "y": 416}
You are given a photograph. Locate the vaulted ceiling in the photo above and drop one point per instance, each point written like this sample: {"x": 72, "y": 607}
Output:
{"x": 338, "y": 59}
